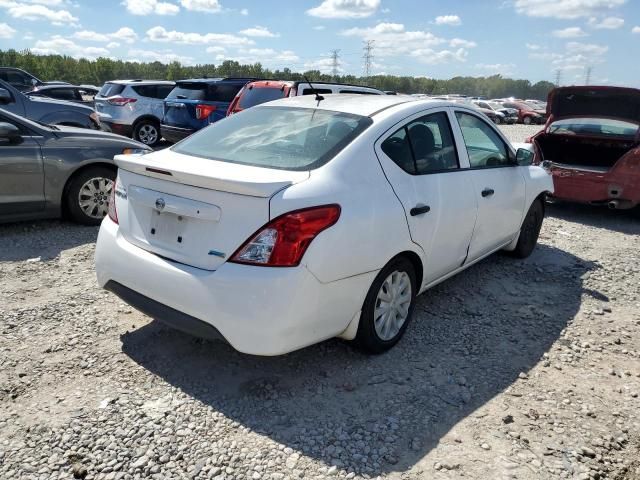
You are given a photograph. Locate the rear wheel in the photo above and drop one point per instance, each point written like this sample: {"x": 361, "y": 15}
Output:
{"x": 527, "y": 120}
{"x": 497, "y": 120}
{"x": 147, "y": 132}
{"x": 388, "y": 307}
{"x": 88, "y": 195}
{"x": 530, "y": 230}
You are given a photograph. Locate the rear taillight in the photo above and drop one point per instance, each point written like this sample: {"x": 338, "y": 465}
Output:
{"x": 113, "y": 213}
{"x": 121, "y": 101}
{"x": 203, "y": 111}
{"x": 283, "y": 241}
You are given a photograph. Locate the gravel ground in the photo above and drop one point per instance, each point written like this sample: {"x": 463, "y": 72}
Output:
{"x": 513, "y": 369}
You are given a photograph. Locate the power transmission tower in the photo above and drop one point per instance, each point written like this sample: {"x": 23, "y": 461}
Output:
{"x": 587, "y": 75}
{"x": 558, "y": 76}
{"x": 334, "y": 63}
{"x": 368, "y": 57}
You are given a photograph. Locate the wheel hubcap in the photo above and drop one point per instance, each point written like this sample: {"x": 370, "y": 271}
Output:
{"x": 147, "y": 134}
{"x": 392, "y": 305}
{"x": 94, "y": 196}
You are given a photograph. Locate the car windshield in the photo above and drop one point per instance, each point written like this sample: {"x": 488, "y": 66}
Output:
{"x": 257, "y": 95}
{"x": 594, "y": 126}
{"x": 276, "y": 137}
{"x": 496, "y": 105}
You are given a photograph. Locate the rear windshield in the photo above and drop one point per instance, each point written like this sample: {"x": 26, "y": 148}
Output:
{"x": 214, "y": 92}
{"x": 276, "y": 137}
{"x": 594, "y": 126}
{"x": 111, "y": 89}
{"x": 257, "y": 95}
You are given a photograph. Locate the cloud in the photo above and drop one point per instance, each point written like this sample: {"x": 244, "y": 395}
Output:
{"x": 148, "y": 7}
{"x": 569, "y": 32}
{"x": 461, "y": 42}
{"x": 609, "y": 23}
{"x": 6, "y": 31}
{"x": 160, "y": 34}
{"x": 448, "y": 20}
{"x": 392, "y": 38}
{"x": 58, "y": 45}
{"x": 433, "y": 57}
{"x": 38, "y": 12}
{"x": 165, "y": 56}
{"x": 215, "y": 49}
{"x": 635, "y": 29}
{"x": 319, "y": 27}
{"x": 111, "y": 45}
{"x": 258, "y": 31}
{"x": 565, "y": 9}
{"x": 208, "y": 6}
{"x": 345, "y": 9}
{"x": 259, "y": 55}
{"x": 496, "y": 68}
{"x": 586, "y": 49}
{"x": 533, "y": 46}
{"x": 324, "y": 65}
{"x": 244, "y": 11}
{"x": 124, "y": 34}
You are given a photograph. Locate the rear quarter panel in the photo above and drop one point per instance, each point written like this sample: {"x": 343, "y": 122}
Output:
{"x": 372, "y": 228}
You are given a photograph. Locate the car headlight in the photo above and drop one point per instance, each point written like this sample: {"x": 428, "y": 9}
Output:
{"x": 136, "y": 151}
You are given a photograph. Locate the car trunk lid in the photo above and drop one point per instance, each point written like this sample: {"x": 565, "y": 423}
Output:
{"x": 192, "y": 210}
{"x": 584, "y": 101}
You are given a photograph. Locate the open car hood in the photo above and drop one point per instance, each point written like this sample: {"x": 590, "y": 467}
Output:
{"x": 587, "y": 101}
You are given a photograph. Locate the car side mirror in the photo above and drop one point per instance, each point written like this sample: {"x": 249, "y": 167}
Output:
{"x": 524, "y": 157}
{"x": 5, "y": 96}
{"x": 9, "y": 131}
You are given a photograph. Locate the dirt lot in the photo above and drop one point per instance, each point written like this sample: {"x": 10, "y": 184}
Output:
{"x": 513, "y": 369}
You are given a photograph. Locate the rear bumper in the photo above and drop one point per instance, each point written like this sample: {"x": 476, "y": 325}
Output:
{"x": 119, "y": 128}
{"x": 174, "y": 134}
{"x": 258, "y": 310}
{"x": 587, "y": 186}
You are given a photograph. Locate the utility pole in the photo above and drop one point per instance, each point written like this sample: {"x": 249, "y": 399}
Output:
{"x": 558, "y": 76}
{"x": 587, "y": 75}
{"x": 334, "y": 63}
{"x": 368, "y": 57}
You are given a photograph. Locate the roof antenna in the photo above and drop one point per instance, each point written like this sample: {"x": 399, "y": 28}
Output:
{"x": 319, "y": 97}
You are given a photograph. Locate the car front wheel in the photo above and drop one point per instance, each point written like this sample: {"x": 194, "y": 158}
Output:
{"x": 527, "y": 120}
{"x": 88, "y": 195}
{"x": 388, "y": 307}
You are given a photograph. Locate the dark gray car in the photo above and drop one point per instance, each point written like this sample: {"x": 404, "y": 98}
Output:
{"x": 46, "y": 171}
{"x": 47, "y": 110}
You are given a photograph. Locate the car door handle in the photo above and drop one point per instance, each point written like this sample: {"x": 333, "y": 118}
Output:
{"x": 419, "y": 210}
{"x": 487, "y": 192}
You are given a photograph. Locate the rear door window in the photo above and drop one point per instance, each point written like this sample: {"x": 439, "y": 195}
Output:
{"x": 149, "y": 91}
{"x": 358, "y": 92}
{"x": 111, "y": 89}
{"x": 163, "y": 91}
{"x": 257, "y": 95}
{"x": 62, "y": 94}
{"x": 321, "y": 91}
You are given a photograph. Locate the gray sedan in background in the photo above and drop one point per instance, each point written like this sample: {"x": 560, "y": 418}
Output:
{"x": 48, "y": 171}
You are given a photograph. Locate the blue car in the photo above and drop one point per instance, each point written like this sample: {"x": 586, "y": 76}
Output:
{"x": 193, "y": 104}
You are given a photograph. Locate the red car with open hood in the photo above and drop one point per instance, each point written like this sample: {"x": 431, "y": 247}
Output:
{"x": 591, "y": 144}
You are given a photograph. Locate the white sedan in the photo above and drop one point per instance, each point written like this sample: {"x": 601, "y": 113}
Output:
{"x": 310, "y": 218}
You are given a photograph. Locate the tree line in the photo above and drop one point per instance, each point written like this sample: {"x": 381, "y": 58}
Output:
{"x": 96, "y": 72}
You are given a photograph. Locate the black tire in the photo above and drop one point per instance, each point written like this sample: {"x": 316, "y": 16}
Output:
{"x": 367, "y": 337}
{"x": 530, "y": 230}
{"x": 72, "y": 195}
{"x": 497, "y": 120}
{"x": 526, "y": 120}
{"x": 147, "y": 131}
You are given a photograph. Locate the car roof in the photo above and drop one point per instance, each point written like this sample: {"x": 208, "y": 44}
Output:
{"x": 363, "y": 105}
{"x": 216, "y": 80}
{"x": 143, "y": 82}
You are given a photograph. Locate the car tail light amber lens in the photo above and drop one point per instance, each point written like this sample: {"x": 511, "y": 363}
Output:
{"x": 203, "y": 111}
{"x": 283, "y": 241}
{"x": 121, "y": 101}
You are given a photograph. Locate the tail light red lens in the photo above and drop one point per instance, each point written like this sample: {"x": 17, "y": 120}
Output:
{"x": 283, "y": 241}
{"x": 113, "y": 213}
{"x": 203, "y": 111}
{"x": 121, "y": 101}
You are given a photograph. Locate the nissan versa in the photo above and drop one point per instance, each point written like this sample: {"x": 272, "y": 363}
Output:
{"x": 315, "y": 217}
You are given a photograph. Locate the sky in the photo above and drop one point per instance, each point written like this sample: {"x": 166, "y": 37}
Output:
{"x": 531, "y": 39}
